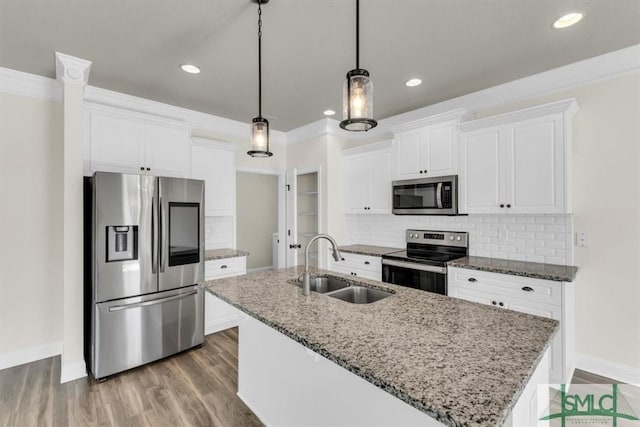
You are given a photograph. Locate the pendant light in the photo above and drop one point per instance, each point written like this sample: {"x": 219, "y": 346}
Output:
{"x": 357, "y": 107}
{"x": 259, "y": 125}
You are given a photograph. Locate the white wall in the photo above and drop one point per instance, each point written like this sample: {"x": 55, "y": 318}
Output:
{"x": 31, "y": 229}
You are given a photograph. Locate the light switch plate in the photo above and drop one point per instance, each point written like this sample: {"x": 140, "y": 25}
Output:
{"x": 582, "y": 239}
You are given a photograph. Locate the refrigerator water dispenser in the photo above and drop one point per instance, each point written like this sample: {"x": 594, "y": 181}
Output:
{"x": 122, "y": 242}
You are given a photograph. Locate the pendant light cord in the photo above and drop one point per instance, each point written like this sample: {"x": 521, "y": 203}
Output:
{"x": 357, "y": 34}
{"x": 259, "y": 58}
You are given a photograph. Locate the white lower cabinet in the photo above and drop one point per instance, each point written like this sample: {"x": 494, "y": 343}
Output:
{"x": 367, "y": 266}
{"x": 544, "y": 298}
{"x": 219, "y": 315}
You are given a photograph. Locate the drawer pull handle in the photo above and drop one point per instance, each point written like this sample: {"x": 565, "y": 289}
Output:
{"x": 367, "y": 263}
{"x": 472, "y": 279}
{"x": 528, "y": 289}
{"x": 501, "y": 304}
{"x": 223, "y": 266}
{"x": 493, "y": 302}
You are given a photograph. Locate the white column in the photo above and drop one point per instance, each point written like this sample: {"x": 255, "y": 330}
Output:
{"x": 73, "y": 73}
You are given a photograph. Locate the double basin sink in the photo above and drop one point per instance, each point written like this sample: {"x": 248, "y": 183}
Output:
{"x": 345, "y": 290}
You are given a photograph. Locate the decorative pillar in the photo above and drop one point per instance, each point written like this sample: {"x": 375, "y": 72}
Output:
{"x": 73, "y": 73}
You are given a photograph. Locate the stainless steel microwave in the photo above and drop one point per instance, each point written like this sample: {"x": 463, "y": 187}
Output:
{"x": 426, "y": 196}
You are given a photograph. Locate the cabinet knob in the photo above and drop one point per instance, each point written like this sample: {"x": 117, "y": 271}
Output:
{"x": 141, "y": 168}
{"x": 421, "y": 172}
{"x": 493, "y": 302}
{"x": 527, "y": 289}
{"x": 367, "y": 263}
{"x": 501, "y": 304}
{"x": 502, "y": 205}
{"x": 148, "y": 169}
{"x": 472, "y": 279}
{"x": 223, "y": 266}
{"x": 508, "y": 205}
{"x": 425, "y": 171}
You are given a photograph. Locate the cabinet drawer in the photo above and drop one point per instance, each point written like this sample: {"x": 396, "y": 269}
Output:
{"x": 348, "y": 269}
{"x": 364, "y": 262}
{"x": 534, "y": 290}
{"x": 226, "y": 267}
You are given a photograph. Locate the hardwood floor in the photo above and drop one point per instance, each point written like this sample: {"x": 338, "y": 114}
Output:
{"x": 195, "y": 388}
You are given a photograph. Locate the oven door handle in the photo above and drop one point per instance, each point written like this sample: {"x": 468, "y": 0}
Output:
{"x": 439, "y": 195}
{"x": 415, "y": 266}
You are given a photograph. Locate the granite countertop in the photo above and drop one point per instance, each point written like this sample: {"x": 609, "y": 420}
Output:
{"x": 462, "y": 363}
{"x": 369, "y": 250}
{"x": 536, "y": 270}
{"x": 211, "y": 254}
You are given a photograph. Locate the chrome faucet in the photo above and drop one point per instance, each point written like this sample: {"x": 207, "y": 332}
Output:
{"x": 306, "y": 278}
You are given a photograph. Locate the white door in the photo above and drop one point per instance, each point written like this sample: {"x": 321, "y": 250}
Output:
{"x": 116, "y": 144}
{"x": 441, "y": 156}
{"x": 292, "y": 218}
{"x": 535, "y": 166}
{"x": 482, "y": 182}
{"x": 167, "y": 151}
{"x": 356, "y": 175}
{"x": 407, "y": 154}
{"x": 379, "y": 182}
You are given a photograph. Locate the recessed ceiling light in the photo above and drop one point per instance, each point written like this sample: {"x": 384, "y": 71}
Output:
{"x": 568, "y": 20}
{"x": 413, "y": 82}
{"x": 329, "y": 112}
{"x": 190, "y": 68}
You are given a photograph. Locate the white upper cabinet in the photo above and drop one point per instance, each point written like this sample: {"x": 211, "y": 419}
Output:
{"x": 214, "y": 162}
{"x": 518, "y": 162}
{"x": 428, "y": 147}
{"x": 367, "y": 174}
{"x": 130, "y": 142}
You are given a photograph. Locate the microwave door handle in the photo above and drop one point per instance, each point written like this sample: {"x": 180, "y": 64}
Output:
{"x": 439, "y": 195}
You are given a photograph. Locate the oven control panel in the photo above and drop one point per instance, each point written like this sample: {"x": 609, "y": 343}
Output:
{"x": 443, "y": 238}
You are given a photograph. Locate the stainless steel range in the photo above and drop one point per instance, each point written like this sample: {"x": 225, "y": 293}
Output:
{"x": 424, "y": 264}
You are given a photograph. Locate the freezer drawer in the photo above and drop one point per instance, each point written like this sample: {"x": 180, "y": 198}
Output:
{"x": 134, "y": 331}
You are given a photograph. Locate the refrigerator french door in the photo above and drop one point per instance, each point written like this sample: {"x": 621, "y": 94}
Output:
{"x": 147, "y": 257}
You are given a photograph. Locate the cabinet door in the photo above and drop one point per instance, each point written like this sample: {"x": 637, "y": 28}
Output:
{"x": 535, "y": 166}
{"x": 116, "y": 144}
{"x": 408, "y": 154}
{"x": 482, "y": 183}
{"x": 217, "y": 168}
{"x": 166, "y": 150}
{"x": 356, "y": 174}
{"x": 441, "y": 156}
{"x": 379, "y": 182}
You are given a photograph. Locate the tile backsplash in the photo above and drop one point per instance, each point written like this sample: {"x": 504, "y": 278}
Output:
{"x": 218, "y": 232}
{"x": 536, "y": 238}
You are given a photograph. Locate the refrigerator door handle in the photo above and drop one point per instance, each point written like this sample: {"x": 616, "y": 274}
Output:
{"x": 154, "y": 236}
{"x": 163, "y": 248}
{"x": 152, "y": 302}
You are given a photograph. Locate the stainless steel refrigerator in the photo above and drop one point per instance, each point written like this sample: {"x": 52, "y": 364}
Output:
{"x": 146, "y": 256}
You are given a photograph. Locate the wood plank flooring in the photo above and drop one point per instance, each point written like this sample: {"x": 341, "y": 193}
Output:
{"x": 195, "y": 388}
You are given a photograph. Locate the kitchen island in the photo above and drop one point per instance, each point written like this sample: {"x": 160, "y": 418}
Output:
{"x": 419, "y": 358}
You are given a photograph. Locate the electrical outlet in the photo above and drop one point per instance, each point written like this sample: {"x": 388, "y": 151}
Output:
{"x": 582, "y": 239}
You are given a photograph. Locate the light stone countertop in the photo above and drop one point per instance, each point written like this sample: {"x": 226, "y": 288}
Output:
{"x": 558, "y": 273}
{"x": 369, "y": 250}
{"x": 462, "y": 363}
{"x": 213, "y": 254}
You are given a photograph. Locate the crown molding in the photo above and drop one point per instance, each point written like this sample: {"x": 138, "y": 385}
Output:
{"x": 457, "y": 115}
{"x": 70, "y": 69}
{"x": 567, "y": 106}
{"x": 362, "y": 149}
{"x": 30, "y": 85}
{"x": 210, "y": 143}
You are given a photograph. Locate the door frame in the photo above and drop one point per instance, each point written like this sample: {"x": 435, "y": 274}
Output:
{"x": 322, "y": 244}
{"x": 282, "y": 225}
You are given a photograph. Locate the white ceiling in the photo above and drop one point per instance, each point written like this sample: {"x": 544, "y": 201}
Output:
{"x": 455, "y": 46}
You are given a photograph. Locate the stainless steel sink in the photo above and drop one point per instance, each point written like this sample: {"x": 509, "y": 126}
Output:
{"x": 360, "y": 295}
{"x": 322, "y": 285}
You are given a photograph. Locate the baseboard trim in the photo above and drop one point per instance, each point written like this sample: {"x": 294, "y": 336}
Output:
{"x": 221, "y": 324}
{"x": 618, "y": 372}
{"x": 31, "y": 354}
{"x": 73, "y": 371}
{"x": 259, "y": 269}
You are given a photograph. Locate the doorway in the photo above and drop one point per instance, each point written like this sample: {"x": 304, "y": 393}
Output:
{"x": 257, "y": 219}
{"x": 303, "y": 216}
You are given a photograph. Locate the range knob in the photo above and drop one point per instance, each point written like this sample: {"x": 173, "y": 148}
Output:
{"x": 451, "y": 237}
{"x": 458, "y": 238}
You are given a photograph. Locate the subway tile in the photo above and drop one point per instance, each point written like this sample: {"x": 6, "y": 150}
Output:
{"x": 534, "y": 227}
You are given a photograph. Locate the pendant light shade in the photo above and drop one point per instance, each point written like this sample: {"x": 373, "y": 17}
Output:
{"x": 357, "y": 102}
{"x": 260, "y": 125}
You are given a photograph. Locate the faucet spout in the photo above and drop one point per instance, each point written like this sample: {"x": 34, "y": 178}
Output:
{"x": 306, "y": 279}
